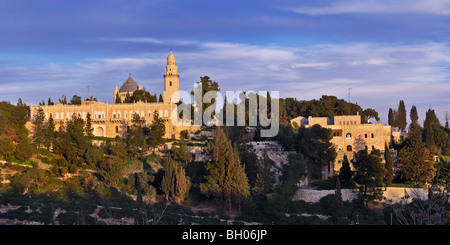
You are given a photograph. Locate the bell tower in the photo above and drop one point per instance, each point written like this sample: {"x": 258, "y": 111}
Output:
{"x": 171, "y": 79}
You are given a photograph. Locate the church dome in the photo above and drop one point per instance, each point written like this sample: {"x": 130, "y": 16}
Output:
{"x": 129, "y": 86}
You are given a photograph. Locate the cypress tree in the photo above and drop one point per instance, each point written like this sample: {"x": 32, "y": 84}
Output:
{"x": 175, "y": 184}
{"x": 389, "y": 166}
{"x": 88, "y": 129}
{"x": 429, "y": 132}
{"x": 391, "y": 118}
{"x": 118, "y": 99}
{"x": 338, "y": 206}
{"x": 401, "y": 116}
{"x": 168, "y": 181}
{"x": 413, "y": 114}
{"x": 345, "y": 172}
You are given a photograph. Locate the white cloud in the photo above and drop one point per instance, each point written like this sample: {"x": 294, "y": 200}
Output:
{"x": 318, "y": 65}
{"x": 434, "y": 7}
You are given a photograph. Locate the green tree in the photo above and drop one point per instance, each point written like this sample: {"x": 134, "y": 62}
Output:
{"x": 76, "y": 100}
{"x": 142, "y": 95}
{"x": 175, "y": 184}
{"x": 181, "y": 154}
{"x": 63, "y": 100}
{"x": 49, "y": 132}
{"x": 118, "y": 99}
{"x": 286, "y": 137}
{"x": 338, "y": 207}
{"x": 292, "y": 173}
{"x": 93, "y": 155}
{"x": 413, "y": 114}
{"x": 226, "y": 179}
{"x": 345, "y": 172}
{"x": 160, "y": 98}
{"x": 370, "y": 113}
{"x": 157, "y": 131}
{"x": 265, "y": 179}
{"x": 38, "y": 127}
{"x": 127, "y": 98}
{"x": 135, "y": 139}
{"x": 6, "y": 146}
{"x": 88, "y": 129}
{"x": 24, "y": 149}
{"x": 206, "y": 85}
{"x": 315, "y": 144}
{"x": 389, "y": 166}
{"x": 401, "y": 116}
{"x": 370, "y": 174}
{"x": 391, "y": 118}
{"x": 414, "y": 158}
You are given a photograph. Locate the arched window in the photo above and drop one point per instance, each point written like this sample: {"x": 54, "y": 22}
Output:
{"x": 349, "y": 148}
{"x": 117, "y": 129}
{"x": 348, "y": 136}
{"x": 170, "y": 83}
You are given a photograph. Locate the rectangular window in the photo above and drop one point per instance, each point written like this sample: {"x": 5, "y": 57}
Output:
{"x": 373, "y": 135}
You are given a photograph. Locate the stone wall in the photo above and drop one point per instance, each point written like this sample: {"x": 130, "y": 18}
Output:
{"x": 394, "y": 194}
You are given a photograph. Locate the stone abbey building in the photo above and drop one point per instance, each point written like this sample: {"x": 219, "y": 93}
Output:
{"x": 111, "y": 120}
{"x": 349, "y": 137}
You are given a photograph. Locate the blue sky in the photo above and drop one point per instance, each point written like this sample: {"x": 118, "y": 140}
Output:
{"x": 384, "y": 50}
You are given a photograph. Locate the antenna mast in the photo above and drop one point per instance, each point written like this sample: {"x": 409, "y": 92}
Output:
{"x": 349, "y": 95}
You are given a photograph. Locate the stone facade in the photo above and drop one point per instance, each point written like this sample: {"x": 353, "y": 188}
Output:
{"x": 349, "y": 137}
{"x": 111, "y": 120}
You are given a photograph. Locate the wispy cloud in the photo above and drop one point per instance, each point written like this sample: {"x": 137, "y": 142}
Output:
{"x": 434, "y": 7}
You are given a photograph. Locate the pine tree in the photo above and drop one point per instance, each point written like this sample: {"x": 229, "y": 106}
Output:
{"x": 414, "y": 158}
{"x": 226, "y": 179}
{"x": 315, "y": 144}
{"x": 157, "y": 131}
{"x": 135, "y": 138}
{"x": 49, "y": 132}
{"x": 161, "y": 98}
{"x": 413, "y": 114}
{"x": 389, "y": 166}
{"x": 38, "y": 127}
